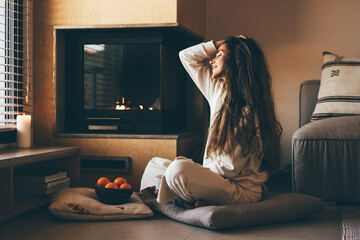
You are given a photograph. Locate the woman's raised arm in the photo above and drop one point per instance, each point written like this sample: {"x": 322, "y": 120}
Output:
{"x": 195, "y": 61}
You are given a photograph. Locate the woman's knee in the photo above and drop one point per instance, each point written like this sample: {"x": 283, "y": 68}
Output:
{"x": 178, "y": 177}
{"x": 179, "y": 168}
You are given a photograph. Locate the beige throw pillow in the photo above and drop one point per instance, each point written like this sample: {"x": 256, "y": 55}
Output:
{"x": 339, "y": 93}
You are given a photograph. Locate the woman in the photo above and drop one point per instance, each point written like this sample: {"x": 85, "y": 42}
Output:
{"x": 243, "y": 141}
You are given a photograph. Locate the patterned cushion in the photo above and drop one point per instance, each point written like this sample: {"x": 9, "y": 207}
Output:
{"x": 82, "y": 204}
{"x": 339, "y": 93}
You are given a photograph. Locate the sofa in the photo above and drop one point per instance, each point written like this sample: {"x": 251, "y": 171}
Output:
{"x": 326, "y": 152}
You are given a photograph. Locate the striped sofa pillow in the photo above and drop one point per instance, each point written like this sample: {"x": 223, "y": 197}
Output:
{"x": 339, "y": 93}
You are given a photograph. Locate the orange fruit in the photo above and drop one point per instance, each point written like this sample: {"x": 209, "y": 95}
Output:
{"x": 111, "y": 185}
{"x": 125, "y": 186}
{"x": 120, "y": 180}
{"x": 103, "y": 181}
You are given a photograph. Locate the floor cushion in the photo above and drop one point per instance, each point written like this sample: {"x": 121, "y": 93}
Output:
{"x": 272, "y": 209}
{"x": 83, "y": 204}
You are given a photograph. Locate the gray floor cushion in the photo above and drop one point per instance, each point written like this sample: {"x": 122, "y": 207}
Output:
{"x": 272, "y": 209}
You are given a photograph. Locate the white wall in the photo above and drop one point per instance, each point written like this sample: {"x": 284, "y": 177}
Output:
{"x": 293, "y": 35}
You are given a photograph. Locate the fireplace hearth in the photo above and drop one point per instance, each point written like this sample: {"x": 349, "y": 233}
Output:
{"x": 122, "y": 81}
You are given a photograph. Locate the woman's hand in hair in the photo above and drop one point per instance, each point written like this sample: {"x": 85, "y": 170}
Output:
{"x": 218, "y": 43}
{"x": 241, "y": 36}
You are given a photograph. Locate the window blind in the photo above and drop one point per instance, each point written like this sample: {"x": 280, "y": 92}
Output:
{"x": 15, "y": 60}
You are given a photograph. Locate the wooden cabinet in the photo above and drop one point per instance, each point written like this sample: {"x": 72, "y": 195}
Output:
{"x": 14, "y": 159}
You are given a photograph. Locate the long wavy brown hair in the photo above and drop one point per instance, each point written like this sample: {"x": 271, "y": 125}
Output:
{"x": 247, "y": 116}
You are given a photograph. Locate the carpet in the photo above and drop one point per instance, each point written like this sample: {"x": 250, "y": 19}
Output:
{"x": 350, "y": 222}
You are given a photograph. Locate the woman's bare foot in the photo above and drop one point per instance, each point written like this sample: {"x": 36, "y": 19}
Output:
{"x": 200, "y": 203}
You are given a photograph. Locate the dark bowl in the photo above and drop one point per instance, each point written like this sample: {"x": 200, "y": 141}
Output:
{"x": 113, "y": 196}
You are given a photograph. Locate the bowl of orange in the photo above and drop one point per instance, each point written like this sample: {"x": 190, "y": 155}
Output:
{"x": 113, "y": 193}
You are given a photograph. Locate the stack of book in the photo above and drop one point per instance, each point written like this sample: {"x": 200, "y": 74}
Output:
{"x": 41, "y": 182}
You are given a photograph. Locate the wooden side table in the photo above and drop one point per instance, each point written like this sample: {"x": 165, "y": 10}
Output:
{"x": 67, "y": 158}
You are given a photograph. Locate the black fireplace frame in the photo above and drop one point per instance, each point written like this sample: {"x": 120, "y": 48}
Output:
{"x": 70, "y": 115}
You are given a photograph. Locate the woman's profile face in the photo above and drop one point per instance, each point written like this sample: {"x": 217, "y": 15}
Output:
{"x": 218, "y": 63}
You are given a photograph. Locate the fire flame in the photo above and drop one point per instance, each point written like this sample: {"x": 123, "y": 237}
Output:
{"x": 122, "y": 106}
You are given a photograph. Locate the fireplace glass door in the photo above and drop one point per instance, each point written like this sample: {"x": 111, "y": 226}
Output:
{"x": 122, "y": 77}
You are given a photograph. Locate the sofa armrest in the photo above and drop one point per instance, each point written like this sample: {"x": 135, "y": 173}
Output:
{"x": 326, "y": 157}
{"x": 334, "y": 128}
{"x": 308, "y": 97}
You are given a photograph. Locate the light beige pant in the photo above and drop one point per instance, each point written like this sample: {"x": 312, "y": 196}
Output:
{"x": 184, "y": 179}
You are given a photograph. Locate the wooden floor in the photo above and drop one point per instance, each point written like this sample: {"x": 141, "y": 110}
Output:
{"x": 42, "y": 225}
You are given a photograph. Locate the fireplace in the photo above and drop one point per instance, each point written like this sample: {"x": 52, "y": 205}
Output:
{"x": 124, "y": 80}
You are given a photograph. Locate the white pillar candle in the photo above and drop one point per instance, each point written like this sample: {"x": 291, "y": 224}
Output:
{"x": 23, "y": 127}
